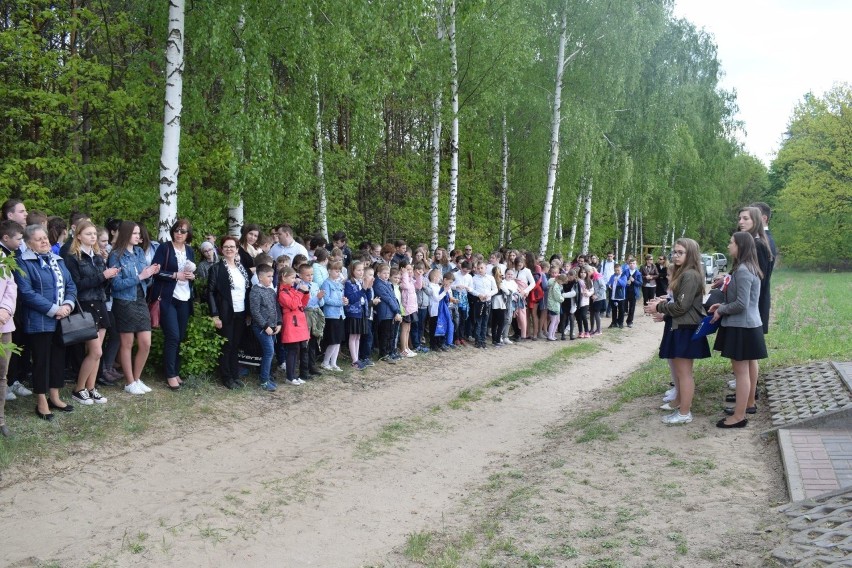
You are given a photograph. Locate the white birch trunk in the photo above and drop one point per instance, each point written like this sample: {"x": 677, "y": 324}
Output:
{"x": 554, "y": 136}
{"x": 454, "y": 142}
{"x": 436, "y": 143}
{"x": 673, "y": 235}
{"x": 626, "y": 232}
{"x": 235, "y": 195}
{"x": 642, "y": 235}
{"x": 587, "y": 218}
{"x": 617, "y": 233}
{"x": 320, "y": 167}
{"x": 504, "y": 193}
{"x": 169, "y": 159}
{"x": 574, "y": 222}
{"x": 556, "y": 218}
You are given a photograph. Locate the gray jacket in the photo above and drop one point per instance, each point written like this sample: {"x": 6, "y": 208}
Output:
{"x": 741, "y": 296}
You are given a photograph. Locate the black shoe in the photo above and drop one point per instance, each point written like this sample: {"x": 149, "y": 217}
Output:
{"x": 613, "y": 325}
{"x": 230, "y": 385}
{"x": 562, "y": 337}
{"x": 572, "y": 338}
{"x": 750, "y": 410}
{"x": 104, "y": 382}
{"x": 621, "y": 326}
{"x": 314, "y": 372}
{"x": 741, "y": 424}
{"x": 48, "y": 416}
{"x": 66, "y": 408}
{"x": 733, "y": 397}
{"x": 629, "y": 325}
{"x": 4, "y": 431}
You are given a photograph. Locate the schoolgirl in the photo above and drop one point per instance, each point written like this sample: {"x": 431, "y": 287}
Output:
{"x": 409, "y": 283}
{"x": 332, "y": 308}
{"x": 436, "y": 293}
{"x": 354, "y": 302}
{"x": 498, "y": 307}
{"x": 418, "y": 328}
{"x": 586, "y": 292}
{"x": 598, "y": 306}
{"x": 295, "y": 332}
{"x": 554, "y": 301}
{"x": 512, "y": 299}
{"x": 740, "y": 335}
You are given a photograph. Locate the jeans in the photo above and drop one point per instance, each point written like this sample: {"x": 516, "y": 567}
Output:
{"x": 417, "y": 327}
{"x": 267, "y": 348}
{"x": 365, "y": 348}
{"x": 174, "y": 317}
{"x": 385, "y": 337}
{"x": 481, "y": 313}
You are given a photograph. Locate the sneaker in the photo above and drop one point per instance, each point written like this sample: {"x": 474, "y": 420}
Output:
{"x": 282, "y": 367}
{"x": 19, "y": 389}
{"x": 386, "y": 359}
{"x": 10, "y": 395}
{"x": 508, "y": 341}
{"x": 677, "y": 418}
{"x": 133, "y": 388}
{"x": 670, "y": 395}
{"x": 630, "y": 325}
{"x": 367, "y": 362}
{"x": 82, "y": 396}
{"x": 335, "y": 368}
{"x": 668, "y": 406}
{"x": 294, "y": 382}
{"x": 142, "y": 386}
{"x": 97, "y": 397}
{"x": 268, "y": 386}
{"x": 732, "y": 384}
{"x": 325, "y": 367}
{"x": 409, "y": 353}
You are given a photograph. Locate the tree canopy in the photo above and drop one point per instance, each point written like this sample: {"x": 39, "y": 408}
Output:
{"x": 82, "y": 83}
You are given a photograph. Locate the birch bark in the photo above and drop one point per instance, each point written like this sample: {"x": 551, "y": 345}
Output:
{"x": 169, "y": 158}
{"x": 504, "y": 194}
{"x": 575, "y": 221}
{"x": 320, "y": 167}
{"x": 235, "y": 198}
{"x": 626, "y": 231}
{"x": 454, "y": 142}
{"x": 436, "y": 143}
{"x": 587, "y": 218}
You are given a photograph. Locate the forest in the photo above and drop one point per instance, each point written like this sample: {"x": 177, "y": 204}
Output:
{"x": 552, "y": 125}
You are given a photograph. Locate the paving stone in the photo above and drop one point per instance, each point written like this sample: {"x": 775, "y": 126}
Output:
{"x": 803, "y": 391}
{"x": 822, "y": 532}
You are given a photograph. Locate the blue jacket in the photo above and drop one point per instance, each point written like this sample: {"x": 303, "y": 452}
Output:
{"x": 131, "y": 264}
{"x": 618, "y": 284}
{"x": 37, "y": 291}
{"x": 333, "y": 306}
{"x": 389, "y": 306}
{"x": 637, "y": 280}
{"x": 357, "y": 300}
{"x": 163, "y": 284}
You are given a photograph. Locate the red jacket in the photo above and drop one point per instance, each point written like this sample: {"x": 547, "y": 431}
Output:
{"x": 295, "y": 325}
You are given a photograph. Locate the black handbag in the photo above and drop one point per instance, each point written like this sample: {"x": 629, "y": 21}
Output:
{"x": 78, "y": 327}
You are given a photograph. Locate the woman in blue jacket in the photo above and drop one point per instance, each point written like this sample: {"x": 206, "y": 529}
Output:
{"x": 128, "y": 304}
{"x": 48, "y": 294}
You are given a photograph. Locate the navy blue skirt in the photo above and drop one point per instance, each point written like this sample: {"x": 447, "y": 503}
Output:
{"x": 678, "y": 344}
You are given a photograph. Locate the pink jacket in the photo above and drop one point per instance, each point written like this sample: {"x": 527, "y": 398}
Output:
{"x": 8, "y": 298}
{"x": 408, "y": 288}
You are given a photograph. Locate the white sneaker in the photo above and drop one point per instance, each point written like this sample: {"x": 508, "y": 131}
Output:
{"x": 282, "y": 367}
{"x": 19, "y": 389}
{"x": 668, "y": 406}
{"x": 82, "y": 397}
{"x": 508, "y": 341}
{"x": 145, "y": 388}
{"x": 10, "y": 395}
{"x": 677, "y": 418}
{"x": 336, "y": 368}
{"x": 97, "y": 397}
{"x": 294, "y": 382}
{"x": 133, "y": 388}
{"x": 670, "y": 395}
{"x": 325, "y": 367}
{"x": 409, "y": 353}
{"x": 732, "y": 384}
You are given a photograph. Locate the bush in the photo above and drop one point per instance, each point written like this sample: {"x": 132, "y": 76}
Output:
{"x": 200, "y": 352}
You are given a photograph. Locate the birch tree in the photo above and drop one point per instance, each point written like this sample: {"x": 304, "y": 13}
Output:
{"x": 236, "y": 205}
{"x": 575, "y": 221}
{"x": 320, "y": 166}
{"x": 587, "y": 218}
{"x": 504, "y": 188}
{"x": 626, "y": 231}
{"x": 454, "y": 141}
{"x": 436, "y": 142}
{"x": 169, "y": 159}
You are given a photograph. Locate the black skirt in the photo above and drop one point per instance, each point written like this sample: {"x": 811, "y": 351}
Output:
{"x": 334, "y": 332}
{"x": 131, "y": 316}
{"x": 678, "y": 344}
{"x": 356, "y": 325}
{"x": 99, "y": 311}
{"x": 740, "y": 343}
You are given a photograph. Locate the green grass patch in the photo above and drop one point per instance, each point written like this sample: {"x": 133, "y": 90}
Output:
{"x": 546, "y": 366}
{"x": 392, "y": 433}
{"x": 464, "y": 398}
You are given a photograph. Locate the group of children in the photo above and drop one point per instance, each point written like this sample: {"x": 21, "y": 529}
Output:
{"x": 399, "y": 305}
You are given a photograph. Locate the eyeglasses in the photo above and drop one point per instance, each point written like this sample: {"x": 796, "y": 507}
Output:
{"x": 678, "y": 252}
{"x": 228, "y": 247}
{"x": 181, "y": 231}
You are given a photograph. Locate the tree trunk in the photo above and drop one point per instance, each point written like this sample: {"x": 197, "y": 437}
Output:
{"x": 587, "y": 218}
{"x": 504, "y": 194}
{"x": 436, "y": 142}
{"x": 617, "y": 233}
{"x": 169, "y": 165}
{"x": 320, "y": 167}
{"x": 626, "y": 231}
{"x": 554, "y": 135}
{"x": 235, "y": 195}
{"x": 574, "y": 223}
{"x": 454, "y": 142}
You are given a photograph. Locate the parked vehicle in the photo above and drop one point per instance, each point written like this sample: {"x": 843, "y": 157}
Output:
{"x": 721, "y": 261}
{"x": 711, "y": 270}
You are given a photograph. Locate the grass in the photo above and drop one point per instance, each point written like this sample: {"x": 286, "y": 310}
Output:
{"x": 393, "y": 433}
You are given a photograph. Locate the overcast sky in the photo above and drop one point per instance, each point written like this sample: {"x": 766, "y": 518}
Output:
{"x": 772, "y": 53}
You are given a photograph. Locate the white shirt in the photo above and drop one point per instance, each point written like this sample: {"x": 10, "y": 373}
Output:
{"x": 181, "y": 287}
{"x": 484, "y": 285}
{"x": 295, "y": 248}
{"x": 238, "y": 294}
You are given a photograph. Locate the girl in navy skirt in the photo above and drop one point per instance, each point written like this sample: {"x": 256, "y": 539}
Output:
{"x": 682, "y": 312}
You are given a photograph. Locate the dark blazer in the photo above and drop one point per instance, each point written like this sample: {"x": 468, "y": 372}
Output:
{"x": 164, "y": 282}
{"x": 388, "y": 308}
{"x": 219, "y": 292}
{"x": 88, "y": 274}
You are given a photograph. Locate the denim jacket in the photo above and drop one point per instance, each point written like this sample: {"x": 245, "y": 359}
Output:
{"x": 131, "y": 264}
{"x": 333, "y": 305}
{"x": 37, "y": 291}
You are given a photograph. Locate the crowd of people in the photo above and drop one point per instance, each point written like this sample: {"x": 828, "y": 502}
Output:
{"x": 298, "y": 301}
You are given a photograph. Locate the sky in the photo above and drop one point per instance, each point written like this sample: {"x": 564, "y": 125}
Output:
{"x": 773, "y": 52}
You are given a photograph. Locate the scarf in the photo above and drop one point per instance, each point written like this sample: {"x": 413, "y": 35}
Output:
{"x": 50, "y": 260}
{"x": 242, "y": 271}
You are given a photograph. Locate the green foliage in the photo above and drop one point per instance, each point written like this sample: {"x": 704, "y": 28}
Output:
{"x": 813, "y": 173}
{"x": 199, "y": 353}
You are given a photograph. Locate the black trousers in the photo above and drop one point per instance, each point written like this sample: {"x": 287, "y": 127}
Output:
{"x": 631, "y": 306}
{"x": 229, "y": 363}
{"x": 617, "y": 311}
{"x": 48, "y": 354}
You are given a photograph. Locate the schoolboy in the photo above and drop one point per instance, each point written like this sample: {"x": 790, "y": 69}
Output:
{"x": 266, "y": 322}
